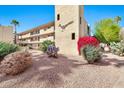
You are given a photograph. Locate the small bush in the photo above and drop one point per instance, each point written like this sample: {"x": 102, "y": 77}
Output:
{"x": 15, "y": 63}
{"x": 44, "y": 45}
{"x": 7, "y": 48}
{"x": 87, "y": 40}
{"x": 91, "y": 53}
{"x": 117, "y": 48}
{"x": 52, "y": 51}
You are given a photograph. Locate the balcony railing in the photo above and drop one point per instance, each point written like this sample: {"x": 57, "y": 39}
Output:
{"x": 43, "y": 33}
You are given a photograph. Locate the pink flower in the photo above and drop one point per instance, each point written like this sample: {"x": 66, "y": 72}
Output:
{"x": 87, "y": 40}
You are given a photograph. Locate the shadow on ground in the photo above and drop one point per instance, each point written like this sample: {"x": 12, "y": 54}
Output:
{"x": 49, "y": 72}
{"x": 106, "y": 61}
{"x": 44, "y": 69}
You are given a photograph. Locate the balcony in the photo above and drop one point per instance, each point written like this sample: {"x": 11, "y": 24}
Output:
{"x": 48, "y": 38}
{"x": 35, "y": 35}
{"x": 23, "y": 42}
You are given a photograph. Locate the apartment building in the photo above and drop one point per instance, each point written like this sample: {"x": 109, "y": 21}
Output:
{"x": 68, "y": 27}
{"x": 33, "y": 37}
{"x": 6, "y": 34}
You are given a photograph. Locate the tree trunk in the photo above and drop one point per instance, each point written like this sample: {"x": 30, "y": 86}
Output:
{"x": 15, "y": 36}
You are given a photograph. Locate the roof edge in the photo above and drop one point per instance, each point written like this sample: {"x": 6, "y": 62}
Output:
{"x": 37, "y": 28}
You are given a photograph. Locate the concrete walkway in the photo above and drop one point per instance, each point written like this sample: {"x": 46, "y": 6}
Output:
{"x": 69, "y": 71}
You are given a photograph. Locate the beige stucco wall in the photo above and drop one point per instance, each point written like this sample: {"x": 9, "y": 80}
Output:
{"x": 83, "y": 31}
{"x": 25, "y": 35}
{"x": 6, "y": 34}
{"x": 63, "y": 39}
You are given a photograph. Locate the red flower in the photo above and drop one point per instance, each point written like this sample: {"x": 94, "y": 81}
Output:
{"x": 87, "y": 40}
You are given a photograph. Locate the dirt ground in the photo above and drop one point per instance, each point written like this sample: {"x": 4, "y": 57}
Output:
{"x": 68, "y": 72}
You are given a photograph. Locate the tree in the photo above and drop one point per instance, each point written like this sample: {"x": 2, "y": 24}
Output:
{"x": 117, "y": 19}
{"x": 107, "y": 31}
{"x": 15, "y": 23}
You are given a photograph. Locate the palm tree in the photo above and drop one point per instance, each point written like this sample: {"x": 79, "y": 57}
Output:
{"x": 15, "y": 23}
{"x": 117, "y": 19}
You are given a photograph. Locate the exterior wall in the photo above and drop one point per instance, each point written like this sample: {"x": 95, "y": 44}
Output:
{"x": 25, "y": 35}
{"x": 44, "y": 34}
{"x": 63, "y": 38}
{"x": 6, "y": 34}
{"x": 71, "y": 21}
{"x": 83, "y": 31}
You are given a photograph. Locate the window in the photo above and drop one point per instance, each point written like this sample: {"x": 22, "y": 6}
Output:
{"x": 31, "y": 39}
{"x": 45, "y": 29}
{"x": 88, "y": 30}
{"x": 35, "y": 32}
{"x": 38, "y": 38}
{"x": 31, "y": 33}
{"x": 58, "y": 17}
{"x": 73, "y": 36}
{"x": 80, "y": 20}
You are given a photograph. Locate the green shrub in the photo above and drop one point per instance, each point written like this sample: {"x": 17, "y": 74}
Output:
{"x": 7, "y": 48}
{"x": 117, "y": 48}
{"x": 91, "y": 53}
{"x": 107, "y": 31}
{"x": 44, "y": 45}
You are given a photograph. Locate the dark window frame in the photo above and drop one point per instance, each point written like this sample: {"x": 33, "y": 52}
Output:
{"x": 80, "y": 20}
{"x": 73, "y": 36}
{"x": 58, "y": 17}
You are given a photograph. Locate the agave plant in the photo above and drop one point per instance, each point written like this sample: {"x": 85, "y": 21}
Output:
{"x": 91, "y": 53}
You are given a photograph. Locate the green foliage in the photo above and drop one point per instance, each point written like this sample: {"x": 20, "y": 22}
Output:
{"x": 91, "y": 53}
{"x": 6, "y": 48}
{"x": 14, "y": 22}
{"x": 107, "y": 30}
{"x": 44, "y": 45}
{"x": 117, "y": 48}
{"x": 117, "y": 19}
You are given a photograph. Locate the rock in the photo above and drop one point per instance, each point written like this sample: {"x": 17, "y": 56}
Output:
{"x": 16, "y": 63}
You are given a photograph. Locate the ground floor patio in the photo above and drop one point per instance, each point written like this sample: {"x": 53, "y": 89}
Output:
{"x": 69, "y": 71}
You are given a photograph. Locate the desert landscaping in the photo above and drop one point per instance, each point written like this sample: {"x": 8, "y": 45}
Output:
{"x": 65, "y": 53}
{"x": 71, "y": 71}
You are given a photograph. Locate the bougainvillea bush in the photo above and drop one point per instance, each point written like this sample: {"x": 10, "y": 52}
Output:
{"x": 87, "y": 40}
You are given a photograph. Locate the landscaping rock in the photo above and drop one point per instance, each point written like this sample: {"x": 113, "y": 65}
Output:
{"x": 16, "y": 63}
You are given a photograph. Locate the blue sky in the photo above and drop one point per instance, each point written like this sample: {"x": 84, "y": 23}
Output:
{"x": 32, "y": 16}
{"x": 94, "y": 13}
{"x": 28, "y": 16}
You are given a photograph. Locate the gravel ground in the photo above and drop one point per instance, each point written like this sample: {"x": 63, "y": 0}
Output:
{"x": 68, "y": 72}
